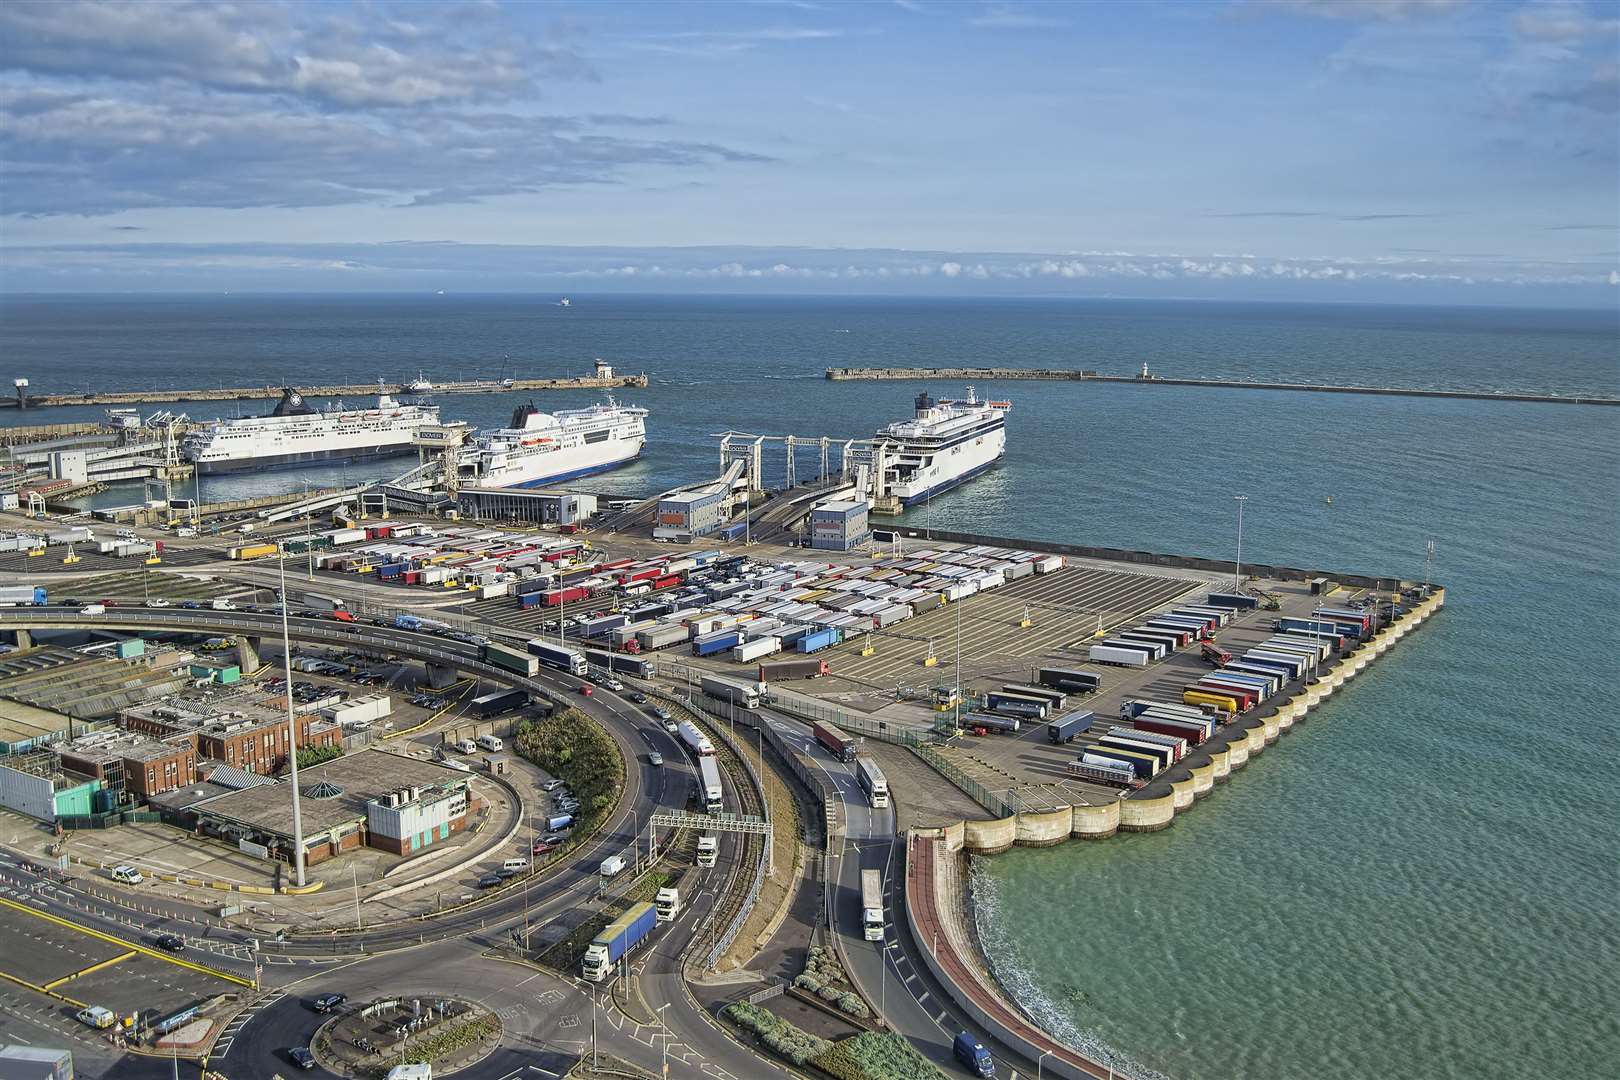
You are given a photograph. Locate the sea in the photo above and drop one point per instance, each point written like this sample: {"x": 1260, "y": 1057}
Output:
{"x": 1422, "y": 880}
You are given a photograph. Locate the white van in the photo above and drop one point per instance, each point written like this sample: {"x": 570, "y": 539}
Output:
{"x": 185, "y": 532}
{"x": 96, "y": 1016}
{"x": 466, "y": 746}
{"x": 515, "y": 866}
{"x": 490, "y": 742}
{"x": 93, "y": 609}
{"x": 127, "y": 875}
{"x": 224, "y": 605}
{"x": 419, "y": 1070}
{"x": 612, "y": 865}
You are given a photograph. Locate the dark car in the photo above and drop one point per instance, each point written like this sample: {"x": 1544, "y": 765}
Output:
{"x": 328, "y": 1002}
{"x": 638, "y": 697}
{"x": 301, "y": 1057}
{"x": 490, "y": 881}
{"x": 171, "y": 942}
{"x": 189, "y": 605}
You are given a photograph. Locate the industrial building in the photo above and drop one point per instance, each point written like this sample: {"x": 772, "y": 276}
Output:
{"x": 373, "y": 798}
{"x": 689, "y": 514}
{"x": 130, "y": 762}
{"x": 235, "y": 729}
{"x": 840, "y": 526}
{"x": 522, "y": 504}
{"x": 89, "y": 687}
{"x": 35, "y": 784}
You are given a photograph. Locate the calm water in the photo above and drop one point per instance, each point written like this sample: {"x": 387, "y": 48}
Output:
{"x": 1423, "y": 880}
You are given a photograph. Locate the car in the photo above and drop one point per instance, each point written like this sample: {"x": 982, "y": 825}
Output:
{"x": 126, "y": 875}
{"x": 661, "y": 712}
{"x": 157, "y": 602}
{"x": 613, "y": 684}
{"x": 190, "y": 605}
{"x": 490, "y": 881}
{"x": 638, "y": 697}
{"x": 301, "y": 1057}
{"x": 655, "y": 758}
{"x": 551, "y": 785}
{"x": 541, "y": 847}
{"x": 553, "y": 838}
{"x": 586, "y": 690}
{"x": 171, "y": 943}
{"x": 311, "y": 613}
{"x": 507, "y": 872}
{"x": 328, "y": 1002}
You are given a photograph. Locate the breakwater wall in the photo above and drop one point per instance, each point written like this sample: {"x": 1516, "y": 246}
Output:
{"x": 988, "y": 374}
{"x": 1246, "y": 738}
{"x": 346, "y": 390}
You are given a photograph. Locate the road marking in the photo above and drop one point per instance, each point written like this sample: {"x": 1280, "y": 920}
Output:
{"x": 110, "y": 939}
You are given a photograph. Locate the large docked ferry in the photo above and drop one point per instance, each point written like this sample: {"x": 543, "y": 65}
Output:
{"x": 296, "y": 433}
{"x": 945, "y": 443}
{"x": 543, "y": 448}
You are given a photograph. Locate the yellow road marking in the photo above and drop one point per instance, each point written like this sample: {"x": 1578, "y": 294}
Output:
{"x": 41, "y": 990}
{"x": 111, "y": 940}
{"x": 86, "y": 971}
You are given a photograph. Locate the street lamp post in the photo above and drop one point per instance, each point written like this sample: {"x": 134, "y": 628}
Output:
{"x": 1038, "y": 1062}
{"x": 664, "y": 1069}
{"x": 292, "y": 724}
{"x": 1238, "y": 566}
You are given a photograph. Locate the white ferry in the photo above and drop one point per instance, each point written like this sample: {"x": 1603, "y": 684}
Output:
{"x": 295, "y": 433}
{"x": 543, "y": 448}
{"x": 944, "y": 444}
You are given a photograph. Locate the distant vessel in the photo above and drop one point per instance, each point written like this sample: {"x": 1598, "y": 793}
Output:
{"x": 420, "y": 385}
{"x": 944, "y": 444}
{"x": 565, "y": 302}
{"x": 543, "y": 448}
{"x": 294, "y": 433}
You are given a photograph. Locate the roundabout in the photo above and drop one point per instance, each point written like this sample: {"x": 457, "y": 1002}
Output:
{"x": 368, "y": 1039}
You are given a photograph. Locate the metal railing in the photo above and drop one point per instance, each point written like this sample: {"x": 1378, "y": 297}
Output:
{"x": 993, "y": 802}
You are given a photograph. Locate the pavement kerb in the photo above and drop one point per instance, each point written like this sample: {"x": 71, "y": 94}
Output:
{"x": 466, "y": 686}
{"x": 92, "y": 969}
{"x": 210, "y": 883}
{"x": 112, "y": 940}
{"x": 9, "y": 977}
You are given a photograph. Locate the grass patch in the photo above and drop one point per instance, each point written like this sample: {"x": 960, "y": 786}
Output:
{"x": 314, "y": 755}
{"x": 786, "y": 1040}
{"x": 444, "y": 1043}
{"x": 876, "y": 1055}
{"x": 572, "y": 747}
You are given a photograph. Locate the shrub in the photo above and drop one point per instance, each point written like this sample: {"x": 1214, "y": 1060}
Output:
{"x": 829, "y": 993}
{"x": 781, "y": 1037}
{"x": 573, "y": 747}
{"x": 808, "y": 982}
{"x": 877, "y": 1055}
{"x": 853, "y": 1005}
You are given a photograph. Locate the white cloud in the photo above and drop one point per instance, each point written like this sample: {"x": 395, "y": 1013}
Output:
{"x": 1376, "y": 10}
{"x": 1561, "y": 21}
{"x": 1008, "y": 17}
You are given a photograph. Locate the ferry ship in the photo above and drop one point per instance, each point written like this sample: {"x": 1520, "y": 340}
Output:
{"x": 945, "y": 443}
{"x": 295, "y": 433}
{"x": 543, "y": 448}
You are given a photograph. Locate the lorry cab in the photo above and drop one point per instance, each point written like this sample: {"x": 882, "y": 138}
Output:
{"x": 972, "y": 1054}
{"x": 708, "y": 848}
{"x": 668, "y": 904}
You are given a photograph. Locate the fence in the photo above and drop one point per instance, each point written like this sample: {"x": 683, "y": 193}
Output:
{"x": 809, "y": 708}
{"x": 991, "y": 801}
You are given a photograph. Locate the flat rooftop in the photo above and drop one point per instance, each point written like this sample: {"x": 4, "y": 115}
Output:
{"x": 358, "y": 778}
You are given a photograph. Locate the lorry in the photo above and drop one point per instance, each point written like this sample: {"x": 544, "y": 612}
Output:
{"x": 1069, "y": 680}
{"x": 510, "y": 659}
{"x": 709, "y": 777}
{"x": 707, "y": 850}
{"x": 873, "y": 782}
{"x": 695, "y": 741}
{"x": 1119, "y": 654}
{"x": 22, "y": 595}
{"x": 872, "y": 905}
{"x": 612, "y": 865}
{"x": 817, "y": 640}
{"x": 668, "y": 904}
{"x": 497, "y": 702}
{"x": 834, "y": 740}
{"x": 558, "y": 656}
{"x": 618, "y": 938}
{"x": 740, "y": 694}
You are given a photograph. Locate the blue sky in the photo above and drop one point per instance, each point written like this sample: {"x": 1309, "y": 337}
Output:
{"x": 1385, "y": 150}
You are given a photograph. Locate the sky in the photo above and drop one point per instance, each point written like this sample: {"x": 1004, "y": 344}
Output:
{"x": 1409, "y": 151}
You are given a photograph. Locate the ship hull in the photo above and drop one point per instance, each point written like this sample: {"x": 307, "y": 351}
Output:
{"x": 565, "y": 464}
{"x": 307, "y": 457}
{"x": 946, "y": 485}
{"x": 950, "y": 467}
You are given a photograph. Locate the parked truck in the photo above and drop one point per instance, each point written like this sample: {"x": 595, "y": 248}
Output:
{"x": 838, "y": 744}
{"x": 617, "y": 939}
{"x": 872, "y": 905}
{"x": 558, "y": 656}
{"x": 1066, "y": 727}
{"x": 500, "y": 701}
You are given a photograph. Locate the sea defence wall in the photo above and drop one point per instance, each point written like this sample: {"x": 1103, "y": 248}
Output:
{"x": 992, "y": 836}
{"x": 989, "y": 374}
{"x": 348, "y": 390}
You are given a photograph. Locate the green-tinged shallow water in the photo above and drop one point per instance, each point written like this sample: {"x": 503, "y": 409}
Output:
{"x": 1421, "y": 880}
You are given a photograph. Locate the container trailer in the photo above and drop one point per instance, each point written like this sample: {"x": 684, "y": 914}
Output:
{"x": 1264, "y": 685}
{"x": 817, "y": 640}
{"x": 1194, "y": 732}
{"x": 1164, "y": 755}
{"x": 1318, "y": 627}
{"x": 1314, "y": 647}
{"x": 709, "y": 778}
{"x": 834, "y": 740}
{"x": 558, "y": 656}
{"x": 617, "y": 939}
{"x": 1119, "y": 655}
{"x": 1134, "y": 707}
{"x": 1156, "y": 650}
{"x": 1222, "y": 616}
{"x": 1066, "y": 727}
{"x": 1015, "y": 705}
{"x": 1247, "y": 696}
{"x": 1177, "y": 743}
{"x": 1295, "y": 665}
{"x": 873, "y": 782}
{"x": 1276, "y": 678}
{"x": 1055, "y": 699}
{"x": 755, "y": 648}
{"x": 716, "y": 643}
{"x": 780, "y": 670}
{"x": 1100, "y": 769}
{"x": 1232, "y": 600}
{"x": 1224, "y": 702}
{"x": 1197, "y": 628}
{"x": 1145, "y": 766}
{"x": 1069, "y": 680}
{"x": 500, "y": 701}
{"x": 693, "y": 739}
{"x": 661, "y": 636}
{"x": 510, "y": 659}
{"x": 991, "y": 722}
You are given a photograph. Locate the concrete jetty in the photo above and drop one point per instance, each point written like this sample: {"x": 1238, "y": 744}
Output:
{"x": 985, "y": 374}
{"x": 347, "y": 390}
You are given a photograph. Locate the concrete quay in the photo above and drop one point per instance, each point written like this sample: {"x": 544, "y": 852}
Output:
{"x": 348, "y": 390}
{"x": 990, "y": 374}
